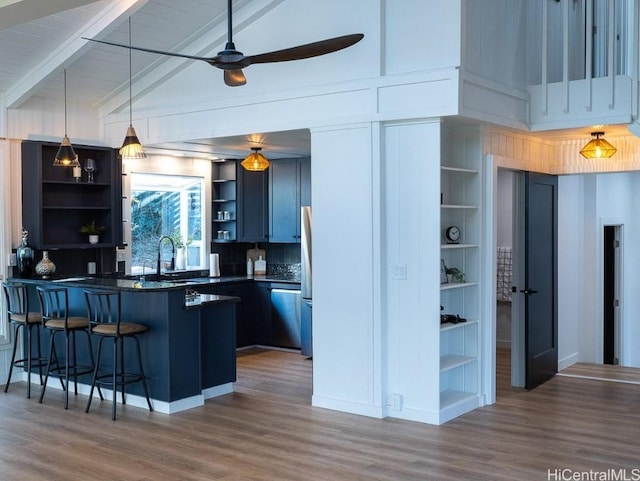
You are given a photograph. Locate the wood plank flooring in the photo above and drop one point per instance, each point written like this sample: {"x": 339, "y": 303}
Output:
{"x": 603, "y": 372}
{"x": 267, "y": 430}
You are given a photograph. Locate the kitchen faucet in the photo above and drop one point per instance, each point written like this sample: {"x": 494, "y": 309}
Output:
{"x": 173, "y": 254}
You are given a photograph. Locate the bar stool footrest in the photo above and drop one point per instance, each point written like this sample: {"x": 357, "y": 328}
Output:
{"x": 122, "y": 379}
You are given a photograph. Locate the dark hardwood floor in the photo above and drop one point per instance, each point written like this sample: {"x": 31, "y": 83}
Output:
{"x": 267, "y": 430}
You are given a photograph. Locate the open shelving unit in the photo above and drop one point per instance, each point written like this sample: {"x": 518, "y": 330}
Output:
{"x": 461, "y": 206}
{"x": 55, "y": 206}
{"x": 224, "y": 197}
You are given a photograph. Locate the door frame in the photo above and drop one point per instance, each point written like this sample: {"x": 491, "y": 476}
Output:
{"x": 619, "y": 267}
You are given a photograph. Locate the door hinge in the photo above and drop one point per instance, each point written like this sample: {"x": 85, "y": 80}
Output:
{"x": 616, "y": 303}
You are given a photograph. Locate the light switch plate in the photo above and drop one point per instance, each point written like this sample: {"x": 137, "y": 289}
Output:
{"x": 13, "y": 261}
{"x": 399, "y": 272}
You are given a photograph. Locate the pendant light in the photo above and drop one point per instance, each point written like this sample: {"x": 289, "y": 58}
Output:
{"x": 131, "y": 147}
{"x": 255, "y": 162}
{"x": 66, "y": 156}
{"x": 598, "y": 148}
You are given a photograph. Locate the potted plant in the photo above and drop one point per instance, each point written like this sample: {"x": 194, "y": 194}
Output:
{"x": 456, "y": 274}
{"x": 93, "y": 231}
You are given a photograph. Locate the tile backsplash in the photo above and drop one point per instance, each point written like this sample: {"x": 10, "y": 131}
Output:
{"x": 281, "y": 258}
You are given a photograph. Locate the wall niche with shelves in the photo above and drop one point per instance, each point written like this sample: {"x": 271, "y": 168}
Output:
{"x": 461, "y": 206}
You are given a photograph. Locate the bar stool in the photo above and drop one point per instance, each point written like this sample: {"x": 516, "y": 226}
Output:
{"x": 18, "y": 314}
{"x": 54, "y": 304}
{"x": 104, "y": 309}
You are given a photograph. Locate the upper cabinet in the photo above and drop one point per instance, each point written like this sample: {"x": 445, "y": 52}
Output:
{"x": 253, "y": 205}
{"x": 55, "y": 204}
{"x": 290, "y": 188}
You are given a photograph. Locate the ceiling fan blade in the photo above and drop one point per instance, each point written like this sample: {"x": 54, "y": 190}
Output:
{"x": 308, "y": 50}
{"x": 234, "y": 78}
{"x": 210, "y": 60}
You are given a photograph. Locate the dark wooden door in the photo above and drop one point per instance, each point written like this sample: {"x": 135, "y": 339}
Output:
{"x": 540, "y": 292}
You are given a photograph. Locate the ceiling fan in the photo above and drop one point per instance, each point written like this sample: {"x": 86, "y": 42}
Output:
{"x": 232, "y": 61}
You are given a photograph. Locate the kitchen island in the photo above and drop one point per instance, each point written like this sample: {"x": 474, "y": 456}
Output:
{"x": 189, "y": 349}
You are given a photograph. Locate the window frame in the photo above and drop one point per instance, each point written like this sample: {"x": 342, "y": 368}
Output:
{"x": 167, "y": 165}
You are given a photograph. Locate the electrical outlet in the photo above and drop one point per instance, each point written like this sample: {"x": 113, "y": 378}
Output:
{"x": 13, "y": 261}
{"x": 396, "y": 402}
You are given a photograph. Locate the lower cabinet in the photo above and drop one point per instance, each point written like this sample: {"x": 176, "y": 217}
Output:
{"x": 269, "y": 313}
{"x": 244, "y": 313}
{"x": 261, "y": 313}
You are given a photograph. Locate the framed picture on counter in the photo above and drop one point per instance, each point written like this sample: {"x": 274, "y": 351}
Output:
{"x": 444, "y": 278}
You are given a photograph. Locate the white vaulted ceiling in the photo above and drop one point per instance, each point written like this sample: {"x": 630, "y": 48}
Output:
{"x": 39, "y": 39}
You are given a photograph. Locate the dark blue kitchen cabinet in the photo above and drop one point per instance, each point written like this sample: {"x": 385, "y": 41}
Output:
{"x": 290, "y": 188}
{"x": 252, "y": 206}
{"x": 261, "y": 302}
{"x": 245, "y": 307}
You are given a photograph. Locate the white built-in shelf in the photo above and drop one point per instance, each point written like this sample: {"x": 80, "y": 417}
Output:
{"x": 459, "y": 170}
{"x": 451, "y": 361}
{"x": 449, "y": 398}
{"x": 457, "y": 285}
{"x": 458, "y": 246}
{"x": 448, "y": 326}
{"x": 458, "y": 206}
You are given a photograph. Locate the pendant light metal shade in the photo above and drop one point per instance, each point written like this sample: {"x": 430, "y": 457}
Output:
{"x": 598, "y": 148}
{"x": 66, "y": 156}
{"x": 255, "y": 162}
{"x": 131, "y": 147}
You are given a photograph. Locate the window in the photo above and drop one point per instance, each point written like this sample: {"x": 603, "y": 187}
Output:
{"x": 166, "y": 205}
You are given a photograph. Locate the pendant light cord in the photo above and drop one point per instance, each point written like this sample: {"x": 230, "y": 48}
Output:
{"x": 65, "y": 102}
{"x": 130, "y": 69}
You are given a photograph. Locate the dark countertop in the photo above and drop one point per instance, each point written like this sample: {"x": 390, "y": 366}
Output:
{"x": 200, "y": 300}
{"x": 132, "y": 284}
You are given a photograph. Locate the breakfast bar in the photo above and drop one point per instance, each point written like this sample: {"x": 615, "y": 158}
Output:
{"x": 189, "y": 349}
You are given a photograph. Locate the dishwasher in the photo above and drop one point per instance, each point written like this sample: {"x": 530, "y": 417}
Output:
{"x": 285, "y": 318}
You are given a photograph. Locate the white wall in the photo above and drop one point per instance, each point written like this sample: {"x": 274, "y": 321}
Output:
{"x": 504, "y": 237}
{"x": 588, "y": 203}
{"x": 346, "y": 231}
{"x": 43, "y": 119}
{"x": 573, "y": 320}
{"x": 411, "y": 213}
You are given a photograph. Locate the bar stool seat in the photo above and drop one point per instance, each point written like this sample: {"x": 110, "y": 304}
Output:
{"x": 54, "y": 303}
{"x": 18, "y": 314}
{"x": 104, "y": 308}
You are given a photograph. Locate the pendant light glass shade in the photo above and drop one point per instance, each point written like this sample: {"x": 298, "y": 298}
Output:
{"x": 598, "y": 148}
{"x": 131, "y": 147}
{"x": 66, "y": 156}
{"x": 255, "y": 162}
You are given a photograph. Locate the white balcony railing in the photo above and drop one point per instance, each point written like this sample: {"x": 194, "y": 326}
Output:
{"x": 583, "y": 67}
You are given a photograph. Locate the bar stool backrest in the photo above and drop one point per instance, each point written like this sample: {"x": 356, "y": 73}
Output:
{"x": 103, "y": 307}
{"x": 54, "y": 303}
{"x": 15, "y": 294}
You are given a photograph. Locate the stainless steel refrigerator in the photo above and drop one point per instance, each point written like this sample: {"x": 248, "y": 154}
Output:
{"x": 306, "y": 299}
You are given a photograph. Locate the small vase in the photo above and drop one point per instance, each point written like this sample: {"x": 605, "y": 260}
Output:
{"x": 24, "y": 255}
{"x": 94, "y": 239}
{"x": 45, "y": 267}
{"x": 181, "y": 263}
